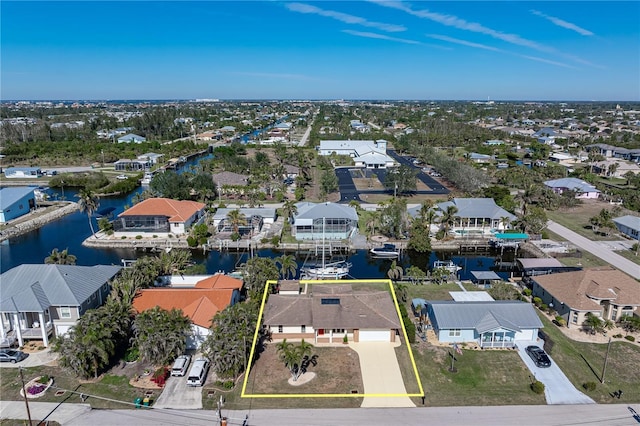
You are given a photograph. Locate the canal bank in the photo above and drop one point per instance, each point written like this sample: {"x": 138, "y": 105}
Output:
{"x": 44, "y": 214}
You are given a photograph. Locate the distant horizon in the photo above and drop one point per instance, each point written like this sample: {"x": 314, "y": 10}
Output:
{"x": 539, "y": 51}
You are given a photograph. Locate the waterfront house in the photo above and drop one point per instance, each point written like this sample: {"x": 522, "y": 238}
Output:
{"x": 327, "y": 313}
{"x": 131, "y": 138}
{"x": 230, "y": 183}
{"x": 22, "y": 172}
{"x": 365, "y": 153}
{"x": 159, "y": 216}
{"x": 582, "y": 189}
{"x": 199, "y": 297}
{"x": 16, "y": 202}
{"x": 41, "y": 301}
{"x": 493, "y": 324}
{"x": 151, "y": 157}
{"x": 604, "y": 292}
{"x": 477, "y": 216}
{"x": 485, "y": 279}
{"x": 255, "y": 218}
{"x": 125, "y": 164}
{"x": 629, "y": 226}
{"x": 329, "y": 221}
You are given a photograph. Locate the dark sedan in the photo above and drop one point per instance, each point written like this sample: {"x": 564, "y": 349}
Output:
{"x": 11, "y": 355}
{"x": 539, "y": 357}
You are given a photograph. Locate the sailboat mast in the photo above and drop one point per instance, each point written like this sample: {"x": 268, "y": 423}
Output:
{"x": 323, "y": 245}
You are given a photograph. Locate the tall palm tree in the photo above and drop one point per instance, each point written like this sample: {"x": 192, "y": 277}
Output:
{"x": 395, "y": 271}
{"x": 236, "y": 219}
{"x": 293, "y": 356}
{"x": 288, "y": 266}
{"x": 449, "y": 218}
{"x": 88, "y": 202}
{"x": 60, "y": 257}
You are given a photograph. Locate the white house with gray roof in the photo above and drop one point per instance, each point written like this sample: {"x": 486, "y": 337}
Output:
{"x": 477, "y": 216}
{"x": 37, "y": 301}
{"x": 329, "y": 221}
{"x": 497, "y": 324}
{"x": 582, "y": 189}
{"x": 369, "y": 154}
{"x": 629, "y": 225}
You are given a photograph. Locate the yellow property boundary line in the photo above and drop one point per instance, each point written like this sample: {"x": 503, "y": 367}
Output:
{"x": 331, "y": 395}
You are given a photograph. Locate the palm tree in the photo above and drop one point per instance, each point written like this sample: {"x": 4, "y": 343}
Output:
{"x": 293, "y": 356}
{"x": 161, "y": 335}
{"x": 88, "y": 202}
{"x": 395, "y": 271}
{"x": 236, "y": 220}
{"x": 289, "y": 209}
{"x": 288, "y": 266}
{"x": 448, "y": 218}
{"x": 505, "y": 221}
{"x": 60, "y": 258}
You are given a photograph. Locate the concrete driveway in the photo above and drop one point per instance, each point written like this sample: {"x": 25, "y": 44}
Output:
{"x": 177, "y": 395}
{"x": 557, "y": 388}
{"x": 33, "y": 360}
{"x": 381, "y": 375}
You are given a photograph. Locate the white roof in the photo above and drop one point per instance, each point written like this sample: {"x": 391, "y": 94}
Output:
{"x": 471, "y": 296}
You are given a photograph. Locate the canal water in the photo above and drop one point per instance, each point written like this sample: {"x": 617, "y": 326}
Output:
{"x": 70, "y": 231}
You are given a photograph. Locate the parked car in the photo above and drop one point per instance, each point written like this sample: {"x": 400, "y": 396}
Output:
{"x": 198, "y": 373}
{"x": 539, "y": 356}
{"x": 122, "y": 177}
{"x": 12, "y": 356}
{"x": 181, "y": 365}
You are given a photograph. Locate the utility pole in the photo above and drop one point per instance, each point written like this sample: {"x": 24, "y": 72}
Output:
{"x": 24, "y": 392}
{"x": 606, "y": 358}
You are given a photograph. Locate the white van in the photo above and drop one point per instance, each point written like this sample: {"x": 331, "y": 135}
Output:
{"x": 181, "y": 365}
{"x": 198, "y": 373}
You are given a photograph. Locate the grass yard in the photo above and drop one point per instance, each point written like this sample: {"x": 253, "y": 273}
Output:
{"x": 583, "y": 362}
{"x": 435, "y": 291}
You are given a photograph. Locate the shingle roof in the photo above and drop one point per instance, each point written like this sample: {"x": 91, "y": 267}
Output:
{"x": 579, "y": 289}
{"x": 509, "y": 314}
{"x": 176, "y": 211}
{"x": 32, "y": 288}
{"x": 230, "y": 178}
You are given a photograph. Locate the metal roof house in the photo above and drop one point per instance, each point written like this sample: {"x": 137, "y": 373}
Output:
{"x": 328, "y": 221}
{"x": 497, "y": 324}
{"x": 37, "y": 301}
{"x": 629, "y": 225}
{"x": 580, "y": 187}
{"x": 16, "y": 202}
{"x": 365, "y": 153}
{"x": 480, "y": 216}
{"x": 132, "y": 138}
{"x": 22, "y": 172}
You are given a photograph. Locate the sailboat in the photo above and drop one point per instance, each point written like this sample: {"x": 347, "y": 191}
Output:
{"x": 332, "y": 270}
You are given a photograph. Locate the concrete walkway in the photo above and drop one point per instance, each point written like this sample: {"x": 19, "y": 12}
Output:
{"x": 381, "y": 375}
{"x": 61, "y": 413}
{"x": 36, "y": 359}
{"x": 596, "y": 249}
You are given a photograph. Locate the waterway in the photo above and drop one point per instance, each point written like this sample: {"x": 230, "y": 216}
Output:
{"x": 70, "y": 231}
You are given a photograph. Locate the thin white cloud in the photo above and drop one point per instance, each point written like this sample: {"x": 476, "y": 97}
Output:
{"x": 461, "y": 24}
{"x": 380, "y": 36}
{"x": 275, "y": 75}
{"x": 546, "y": 61}
{"x": 343, "y": 17}
{"x": 562, "y": 23}
{"x": 462, "y": 42}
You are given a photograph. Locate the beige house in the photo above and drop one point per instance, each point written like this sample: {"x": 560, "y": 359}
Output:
{"x": 604, "y": 292}
{"x": 327, "y": 313}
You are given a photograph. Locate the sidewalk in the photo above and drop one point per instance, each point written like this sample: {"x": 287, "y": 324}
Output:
{"x": 59, "y": 412}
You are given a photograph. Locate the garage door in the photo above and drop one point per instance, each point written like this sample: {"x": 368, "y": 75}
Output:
{"x": 374, "y": 336}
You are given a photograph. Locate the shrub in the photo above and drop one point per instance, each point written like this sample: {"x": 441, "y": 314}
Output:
{"x": 630, "y": 338}
{"x": 123, "y": 237}
{"x": 132, "y": 354}
{"x": 560, "y": 321}
{"x": 275, "y": 240}
{"x": 345, "y": 339}
{"x": 526, "y": 292}
{"x": 192, "y": 242}
{"x": 138, "y": 237}
{"x": 228, "y": 384}
{"x": 618, "y": 336}
{"x": 537, "y": 301}
{"x": 155, "y": 236}
{"x": 589, "y": 386}
{"x": 543, "y": 307}
{"x": 537, "y": 387}
{"x": 44, "y": 379}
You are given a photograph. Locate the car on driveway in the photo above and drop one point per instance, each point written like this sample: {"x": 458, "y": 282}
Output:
{"x": 12, "y": 356}
{"x": 181, "y": 365}
{"x": 539, "y": 356}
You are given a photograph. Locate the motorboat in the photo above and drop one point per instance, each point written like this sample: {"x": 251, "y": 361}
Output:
{"x": 389, "y": 251}
{"x": 448, "y": 265}
{"x": 334, "y": 270}
{"x": 146, "y": 180}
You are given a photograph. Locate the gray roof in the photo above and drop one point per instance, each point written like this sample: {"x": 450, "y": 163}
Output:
{"x": 264, "y": 212}
{"x": 542, "y": 262}
{"x": 327, "y": 210}
{"x": 484, "y": 316}
{"x": 33, "y": 288}
{"x": 485, "y": 275}
{"x": 476, "y": 208}
{"x": 8, "y": 196}
{"x": 572, "y": 184}
{"x": 629, "y": 221}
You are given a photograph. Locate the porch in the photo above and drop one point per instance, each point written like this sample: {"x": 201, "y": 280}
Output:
{"x": 497, "y": 339}
{"x": 14, "y": 329}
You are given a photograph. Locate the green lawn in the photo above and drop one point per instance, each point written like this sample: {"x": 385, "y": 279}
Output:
{"x": 578, "y": 222}
{"x": 583, "y": 362}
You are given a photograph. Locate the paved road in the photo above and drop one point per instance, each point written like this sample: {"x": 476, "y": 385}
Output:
{"x": 530, "y": 415}
{"x": 557, "y": 387}
{"x": 596, "y": 249}
{"x": 436, "y": 187}
{"x": 348, "y": 191}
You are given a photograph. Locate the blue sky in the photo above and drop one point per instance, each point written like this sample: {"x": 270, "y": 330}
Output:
{"x": 516, "y": 50}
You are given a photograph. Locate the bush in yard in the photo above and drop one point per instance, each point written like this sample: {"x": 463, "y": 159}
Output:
{"x": 543, "y": 307}
{"x": 228, "y": 384}
{"x": 537, "y": 301}
{"x": 561, "y": 321}
{"x": 192, "y": 242}
{"x": 617, "y": 336}
{"x": 589, "y": 386}
{"x": 537, "y": 387}
{"x": 630, "y": 338}
{"x": 526, "y": 292}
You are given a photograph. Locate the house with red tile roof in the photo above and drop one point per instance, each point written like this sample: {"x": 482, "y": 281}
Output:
{"x": 199, "y": 297}
{"x": 159, "y": 216}
{"x": 604, "y": 292}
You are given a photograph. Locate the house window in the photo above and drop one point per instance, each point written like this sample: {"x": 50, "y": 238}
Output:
{"x": 574, "y": 317}
{"x": 454, "y": 332}
{"x": 65, "y": 312}
{"x": 614, "y": 314}
{"x": 279, "y": 329}
{"x": 303, "y": 329}
{"x": 338, "y": 330}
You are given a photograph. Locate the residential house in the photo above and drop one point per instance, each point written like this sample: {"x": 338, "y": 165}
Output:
{"x": 125, "y": 164}
{"x": 629, "y": 226}
{"x": 41, "y": 301}
{"x": 604, "y": 292}
{"x": 131, "y": 138}
{"x": 159, "y": 216}
{"x": 22, "y": 172}
{"x": 477, "y": 216}
{"x": 480, "y": 158}
{"x": 327, "y": 313}
{"x": 365, "y": 153}
{"x": 199, "y": 297}
{"x": 582, "y": 189}
{"x": 255, "y": 219}
{"x": 16, "y": 202}
{"x": 327, "y": 220}
{"x": 497, "y": 324}
{"x": 151, "y": 157}
{"x": 230, "y": 183}
{"x": 615, "y": 168}
{"x": 485, "y": 279}
{"x": 291, "y": 172}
